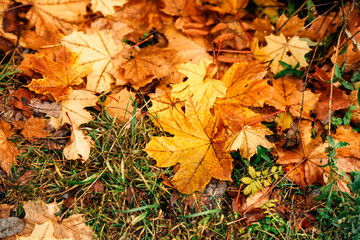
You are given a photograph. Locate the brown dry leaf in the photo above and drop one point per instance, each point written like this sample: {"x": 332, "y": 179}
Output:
{"x": 289, "y": 50}
{"x": 58, "y": 76}
{"x": 255, "y": 199}
{"x": 120, "y": 105}
{"x": 3, "y": 7}
{"x": 324, "y": 25}
{"x": 351, "y": 152}
{"x": 25, "y": 178}
{"x": 262, "y": 27}
{"x": 292, "y": 27}
{"x": 79, "y": 146}
{"x": 313, "y": 154}
{"x": 35, "y": 128}
{"x": 50, "y": 108}
{"x": 8, "y": 151}
{"x": 39, "y": 213}
{"x": 48, "y": 16}
{"x": 141, "y": 15}
{"x": 245, "y": 132}
{"x": 98, "y": 49}
{"x": 106, "y": 7}
{"x": 47, "y": 45}
{"x": 224, "y": 6}
{"x": 339, "y": 98}
{"x": 198, "y": 145}
{"x": 270, "y": 7}
{"x": 355, "y": 117}
{"x": 73, "y": 109}
{"x": 143, "y": 66}
{"x": 246, "y": 84}
{"x": 43, "y": 231}
{"x": 288, "y": 96}
{"x": 5, "y": 210}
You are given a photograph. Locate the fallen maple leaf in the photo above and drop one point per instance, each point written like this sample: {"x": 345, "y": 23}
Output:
{"x": 200, "y": 85}
{"x": 39, "y": 213}
{"x": 270, "y": 7}
{"x": 79, "y": 146}
{"x": 43, "y": 231}
{"x": 4, "y": 5}
{"x": 73, "y": 111}
{"x": 262, "y": 27}
{"x": 106, "y": 7}
{"x": 99, "y": 49}
{"x": 58, "y": 76}
{"x": 246, "y": 84}
{"x": 187, "y": 50}
{"x": 288, "y": 96}
{"x": 35, "y": 128}
{"x": 292, "y": 26}
{"x": 312, "y": 159}
{"x": 246, "y": 130}
{"x": 225, "y": 6}
{"x": 8, "y": 151}
{"x": 290, "y": 51}
{"x": 120, "y": 105}
{"x": 198, "y": 145}
{"x": 339, "y": 99}
{"x": 163, "y": 108}
{"x": 144, "y": 66}
{"x": 310, "y": 155}
{"x": 50, "y": 15}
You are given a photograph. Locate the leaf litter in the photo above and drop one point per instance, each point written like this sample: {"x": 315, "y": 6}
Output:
{"x": 203, "y": 71}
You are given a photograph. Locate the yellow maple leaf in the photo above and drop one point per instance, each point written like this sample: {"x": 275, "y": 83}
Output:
{"x": 99, "y": 49}
{"x": 200, "y": 85}
{"x": 106, "y": 7}
{"x": 49, "y": 15}
{"x": 58, "y": 76}
{"x": 198, "y": 145}
{"x": 290, "y": 51}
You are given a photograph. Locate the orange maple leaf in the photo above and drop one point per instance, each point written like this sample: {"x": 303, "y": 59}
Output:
{"x": 35, "y": 128}
{"x": 288, "y": 96}
{"x": 120, "y": 105}
{"x": 8, "y": 151}
{"x": 246, "y": 131}
{"x": 246, "y": 84}
{"x": 198, "y": 145}
{"x": 50, "y": 15}
{"x": 58, "y": 76}
{"x": 144, "y": 66}
{"x": 310, "y": 158}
